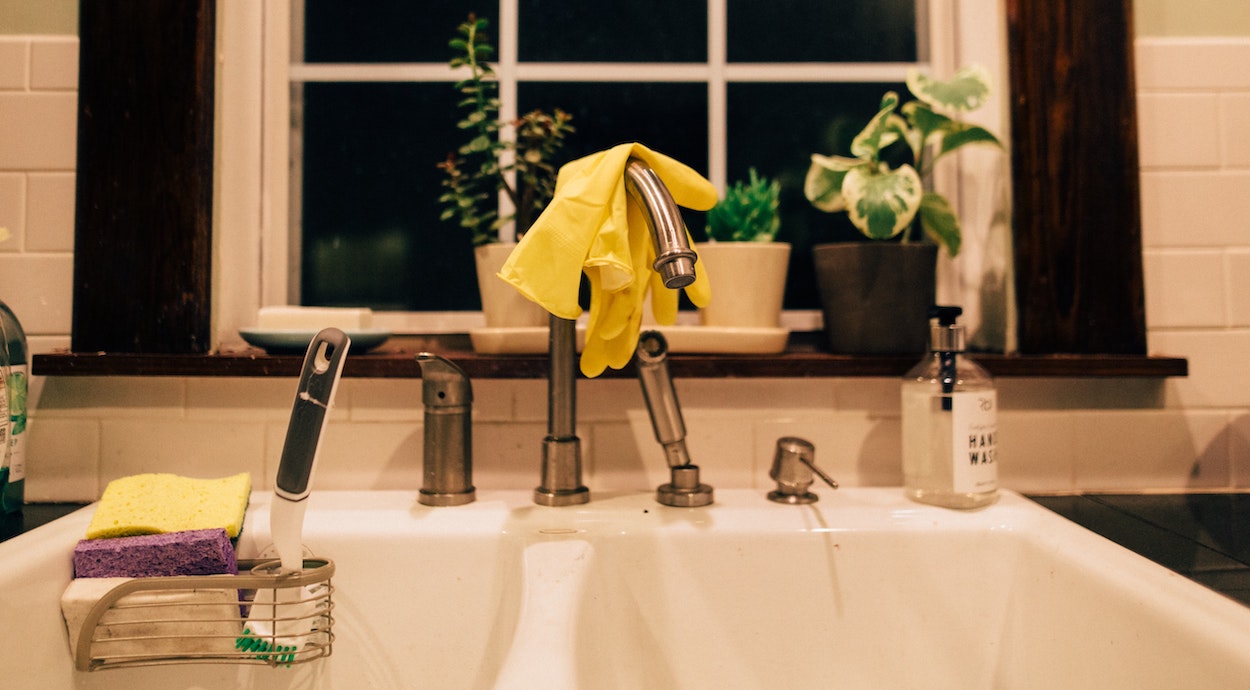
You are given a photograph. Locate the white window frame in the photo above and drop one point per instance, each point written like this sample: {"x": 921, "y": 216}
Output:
{"x": 254, "y": 250}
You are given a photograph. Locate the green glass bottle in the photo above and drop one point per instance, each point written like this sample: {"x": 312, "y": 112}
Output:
{"x": 14, "y": 372}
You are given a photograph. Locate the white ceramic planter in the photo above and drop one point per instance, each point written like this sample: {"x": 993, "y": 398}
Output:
{"x": 748, "y": 281}
{"x": 502, "y": 305}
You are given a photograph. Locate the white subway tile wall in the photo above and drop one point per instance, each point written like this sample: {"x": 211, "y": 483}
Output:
{"x": 1056, "y": 434}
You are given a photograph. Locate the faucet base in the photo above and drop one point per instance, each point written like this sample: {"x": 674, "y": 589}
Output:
{"x": 793, "y": 499}
{"x": 562, "y": 473}
{"x": 562, "y": 497}
{"x": 439, "y": 499}
{"x": 684, "y": 491}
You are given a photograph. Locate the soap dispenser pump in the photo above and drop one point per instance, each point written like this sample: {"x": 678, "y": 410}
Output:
{"x": 950, "y": 429}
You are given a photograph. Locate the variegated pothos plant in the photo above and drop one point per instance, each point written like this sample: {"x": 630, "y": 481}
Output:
{"x": 882, "y": 201}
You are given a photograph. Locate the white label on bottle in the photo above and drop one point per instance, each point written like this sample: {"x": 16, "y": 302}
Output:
{"x": 974, "y": 416}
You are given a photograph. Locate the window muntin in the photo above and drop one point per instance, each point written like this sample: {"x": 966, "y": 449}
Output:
{"x": 370, "y": 131}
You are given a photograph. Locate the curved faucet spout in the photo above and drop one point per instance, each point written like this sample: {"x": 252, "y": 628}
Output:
{"x": 674, "y": 259}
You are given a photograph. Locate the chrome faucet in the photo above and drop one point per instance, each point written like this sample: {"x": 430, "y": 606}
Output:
{"x": 447, "y": 467}
{"x": 561, "y": 462}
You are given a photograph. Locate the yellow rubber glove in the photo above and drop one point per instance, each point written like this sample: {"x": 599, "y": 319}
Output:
{"x": 590, "y": 226}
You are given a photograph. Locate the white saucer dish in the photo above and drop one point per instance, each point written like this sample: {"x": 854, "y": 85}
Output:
{"x": 681, "y": 339}
{"x": 714, "y": 340}
{"x": 286, "y": 341}
{"x": 515, "y": 341}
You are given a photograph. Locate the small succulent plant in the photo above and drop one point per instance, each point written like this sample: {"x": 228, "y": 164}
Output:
{"x": 477, "y": 171}
{"x": 882, "y": 201}
{"x": 748, "y": 213}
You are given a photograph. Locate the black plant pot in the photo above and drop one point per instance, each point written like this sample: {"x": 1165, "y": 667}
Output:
{"x": 876, "y": 295}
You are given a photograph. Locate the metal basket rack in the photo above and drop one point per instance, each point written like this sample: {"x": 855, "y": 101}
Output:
{"x": 199, "y": 619}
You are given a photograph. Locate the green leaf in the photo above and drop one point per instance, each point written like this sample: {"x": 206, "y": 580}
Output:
{"x": 458, "y": 44}
{"x": 968, "y": 134}
{"x": 823, "y": 186}
{"x": 967, "y": 90}
{"x": 925, "y": 121}
{"x": 939, "y": 222}
{"x": 477, "y": 145}
{"x": 880, "y": 131}
{"x": 883, "y": 202}
{"x": 747, "y": 213}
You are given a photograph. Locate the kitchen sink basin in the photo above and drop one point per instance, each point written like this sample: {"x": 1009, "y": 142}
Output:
{"x": 863, "y": 589}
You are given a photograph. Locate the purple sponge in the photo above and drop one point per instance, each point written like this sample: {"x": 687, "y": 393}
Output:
{"x": 194, "y": 552}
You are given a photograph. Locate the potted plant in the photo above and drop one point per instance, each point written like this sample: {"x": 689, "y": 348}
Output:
{"x": 516, "y": 158}
{"x": 875, "y": 295}
{"x": 742, "y": 230}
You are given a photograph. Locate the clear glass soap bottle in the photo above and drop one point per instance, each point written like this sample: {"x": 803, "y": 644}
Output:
{"x": 950, "y": 428}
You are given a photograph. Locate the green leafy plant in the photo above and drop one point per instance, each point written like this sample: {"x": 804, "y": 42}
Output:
{"x": 748, "y": 213}
{"x": 524, "y": 150}
{"x": 884, "y": 201}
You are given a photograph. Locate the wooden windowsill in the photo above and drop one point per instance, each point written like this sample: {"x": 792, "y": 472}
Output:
{"x": 803, "y": 358}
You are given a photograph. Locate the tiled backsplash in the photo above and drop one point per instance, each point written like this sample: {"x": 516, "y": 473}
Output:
{"x": 1056, "y": 434}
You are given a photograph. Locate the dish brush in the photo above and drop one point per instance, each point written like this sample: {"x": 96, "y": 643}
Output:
{"x": 282, "y": 619}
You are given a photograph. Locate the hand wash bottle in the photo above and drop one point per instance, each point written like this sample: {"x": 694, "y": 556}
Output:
{"x": 949, "y": 422}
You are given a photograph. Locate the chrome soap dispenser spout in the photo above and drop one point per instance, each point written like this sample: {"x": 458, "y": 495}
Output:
{"x": 794, "y": 469}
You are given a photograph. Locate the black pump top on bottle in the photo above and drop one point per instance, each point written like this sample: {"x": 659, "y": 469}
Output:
{"x": 945, "y": 315}
{"x": 945, "y": 335}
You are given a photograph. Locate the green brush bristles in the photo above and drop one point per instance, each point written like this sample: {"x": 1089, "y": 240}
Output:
{"x": 260, "y": 648}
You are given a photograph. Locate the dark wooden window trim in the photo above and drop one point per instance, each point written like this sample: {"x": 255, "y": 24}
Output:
{"x": 1075, "y": 176}
{"x": 143, "y": 227}
{"x": 143, "y": 219}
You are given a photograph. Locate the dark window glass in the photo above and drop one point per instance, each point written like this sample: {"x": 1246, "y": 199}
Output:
{"x": 822, "y": 31}
{"x": 776, "y": 128}
{"x": 388, "y": 30}
{"x": 636, "y": 31}
{"x": 371, "y": 230}
{"x": 668, "y": 117}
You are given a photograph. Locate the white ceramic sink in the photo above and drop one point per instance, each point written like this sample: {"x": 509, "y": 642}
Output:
{"x": 861, "y": 590}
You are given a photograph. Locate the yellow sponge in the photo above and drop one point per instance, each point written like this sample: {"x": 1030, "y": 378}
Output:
{"x": 159, "y": 503}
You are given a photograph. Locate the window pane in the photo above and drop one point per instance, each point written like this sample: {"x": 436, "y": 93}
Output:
{"x": 371, "y": 229}
{"x": 776, "y": 128}
{"x": 637, "y": 31}
{"x": 822, "y": 31}
{"x": 388, "y": 30}
{"x": 670, "y": 118}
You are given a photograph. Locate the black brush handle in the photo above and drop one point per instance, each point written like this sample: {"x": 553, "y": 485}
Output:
{"x": 323, "y": 365}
